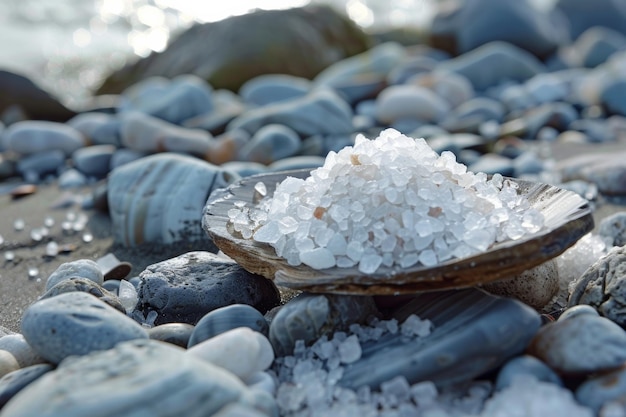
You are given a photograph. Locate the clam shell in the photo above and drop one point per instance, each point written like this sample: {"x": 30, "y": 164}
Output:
{"x": 567, "y": 218}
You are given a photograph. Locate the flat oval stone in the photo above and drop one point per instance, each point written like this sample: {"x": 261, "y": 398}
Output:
{"x": 185, "y": 288}
{"x": 17, "y": 346}
{"x": 72, "y": 178}
{"x": 41, "y": 163}
{"x": 8, "y": 363}
{"x": 77, "y": 284}
{"x": 99, "y": 128}
{"x": 14, "y": 382}
{"x": 273, "y": 88}
{"x": 580, "y": 345}
{"x": 603, "y": 286}
{"x": 227, "y": 318}
{"x": 32, "y": 136}
{"x": 410, "y": 102}
{"x": 526, "y": 365}
{"x": 94, "y": 161}
{"x": 241, "y": 351}
{"x": 76, "y": 323}
{"x": 599, "y": 390}
{"x": 271, "y": 143}
{"x": 82, "y": 268}
{"x": 474, "y": 332}
{"x": 175, "y": 333}
{"x": 451, "y": 86}
{"x": 141, "y": 377}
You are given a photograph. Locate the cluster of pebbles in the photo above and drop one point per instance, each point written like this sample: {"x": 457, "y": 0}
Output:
{"x": 198, "y": 335}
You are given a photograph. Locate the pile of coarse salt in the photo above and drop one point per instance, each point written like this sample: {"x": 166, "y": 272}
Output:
{"x": 391, "y": 201}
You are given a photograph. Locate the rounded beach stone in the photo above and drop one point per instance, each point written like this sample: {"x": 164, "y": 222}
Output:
{"x": 72, "y": 178}
{"x": 602, "y": 389}
{"x": 578, "y": 310}
{"x": 82, "y": 268}
{"x": 78, "y": 284}
{"x": 273, "y": 88}
{"x": 94, "y": 161}
{"x": 597, "y": 44}
{"x": 297, "y": 162}
{"x": 410, "y": 102}
{"x": 612, "y": 229}
{"x": 41, "y": 163}
{"x": 494, "y": 63}
{"x": 450, "y": 86}
{"x": 493, "y": 164}
{"x": 175, "y": 333}
{"x": 526, "y": 365}
{"x": 141, "y": 377}
{"x": 603, "y": 286}
{"x": 185, "y": 288}
{"x": 580, "y": 345}
{"x": 271, "y": 143}
{"x": 145, "y": 133}
{"x": 582, "y": 15}
{"x": 98, "y": 128}
{"x": 227, "y": 318}
{"x": 14, "y": 382}
{"x": 75, "y": 323}
{"x": 8, "y": 363}
{"x": 32, "y": 136}
{"x": 535, "y": 287}
{"x": 17, "y": 346}
{"x": 613, "y": 97}
{"x": 241, "y": 351}
{"x": 124, "y": 156}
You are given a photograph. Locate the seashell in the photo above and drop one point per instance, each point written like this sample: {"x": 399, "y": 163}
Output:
{"x": 473, "y": 333}
{"x": 160, "y": 198}
{"x": 309, "y": 316}
{"x": 227, "y": 318}
{"x": 567, "y": 218}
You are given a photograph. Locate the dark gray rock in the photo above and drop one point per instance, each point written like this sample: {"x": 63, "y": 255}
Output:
{"x": 175, "y": 333}
{"x": 299, "y": 41}
{"x": 612, "y": 229}
{"x": 227, "y": 318}
{"x": 494, "y": 63}
{"x": 473, "y": 333}
{"x": 273, "y": 88}
{"x": 526, "y": 365}
{"x": 78, "y": 284}
{"x": 94, "y": 161}
{"x": 271, "y": 143}
{"x": 139, "y": 378}
{"x": 613, "y": 97}
{"x": 580, "y": 345}
{"x": 185, "y": 288}
{"x": 603, "y": 286}
{"x": 14, "y": 382}
{"x": 75, "y": 323}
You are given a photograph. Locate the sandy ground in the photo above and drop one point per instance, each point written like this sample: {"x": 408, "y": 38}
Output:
{"x": 18, "y": 290}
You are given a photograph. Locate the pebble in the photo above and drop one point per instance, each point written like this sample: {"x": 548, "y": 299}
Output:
{"x": 8, "y": 363}
{"x": 145, "y": 133}
{"x": 613, "y": 97}
{"x": 612, "y": 229}
{"x": 608, "y": 174}
{"x": 185, "y": 288}
{"x": 17, "y": 346}
{"x": 320, "y": 112}
{"x": 14, "y": 382}
{"x": 37, "y": 165}
{"x": 535, "y": 287}
{"x": 98, "y": 128}
{"x": 600, "y": 390}
{"x": 227, "y": 318}
{"x": 160, "y": 198}
{"x": 141, "y": 377}
{"x": 177, "y": 334}
{"x": 33, "y": 136}
{"x": 525, "y": 365}
{"x": 580, "y": 345}
{"x": 582, "y": 15}
{"x": 226, "y": 106}
{"x": 400, "y": 102}
{"x": 82, "y": 268}
{"x": 75, "y": 323}
{"x": 94, "y": 161}
{"x": 452, "y": 87}
{"x": 72, "y": 178}
{"x": 244, "y": 168}
{"x": 596, "y": 45}
{"x": 578, "y": 310}
{"x": 274, "y": 88}
{"x": 482, "y": 108}
{"x": 492, "y": 164}
{"x": 123, "y": 156}
{"x": 494, "y": 63}
{"x": 77, "y": 284}
{"x": 242, "y": 351}
{"x": 603, "y": 286}
{"x": 271, "y": 143}
{"x": 309, "y": 316}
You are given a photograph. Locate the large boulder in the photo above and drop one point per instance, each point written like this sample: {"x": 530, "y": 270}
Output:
{"x": 300, "y": 41}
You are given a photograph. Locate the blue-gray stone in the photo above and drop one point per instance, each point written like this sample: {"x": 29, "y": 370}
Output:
{"x": 320, "y": 112}
{"x": 124, "y": 156}
{"x": 297, "y": 162}
{"x": 526, "y": 365}
{"x": 429, "y": 132}
{"x": 72, "y": 178}
{"x": 82, "y": 268}
{"x": 94, "y": 161}
{"x": 137, "y": 378}
{"x": 33, "y": 136}
{"x": 227, "y": 318}
{"x": 112, "y": 285}
{"x": 366, "y": 108}
{"x": 608, "y": 174}
{"x": 597, "y": 131}
{"x": 78, "y": 284}
{"x": 75, "y": 323}
{"x": 614, "y": 97}
{"x": 244, "y": 168}
{"x": 410, "y": 67}
{"x": 98, "y": 128}
{"x": 483, "y": 107}
{"x": 185, "y": 288}
{"x": 597, "y": 44}
{"x": 580, "y": 345}
{"x": 456, "y": 142}
{"x": 493, "y": 164}
{"x": 408, "y": 101}
{"x": 41, "y": 163}
{"x": 494, "y": 63}
{"x": 602, "y": 389}
{"x": 17, "y": 346}
{"x": 473, "y": 333}
{"x": 582, "y": 14}
{"x": 451, "y": 86}
{"x": 612, "y": 229}
{"x": 226, "y": 106}
{"x": 174, "y": 333}
{"x": 319, "y": 145}
{"x": 271, "y": 143}
{"x": 274, "y": 88}
{"x": 578, "y": 310}
{"x": 527, "y": 163}
{"x": 309, "y": 316}
{"x": 547, "y": 88}
{"x": 15, "y": 381}
{"x": 184, "y": 97}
